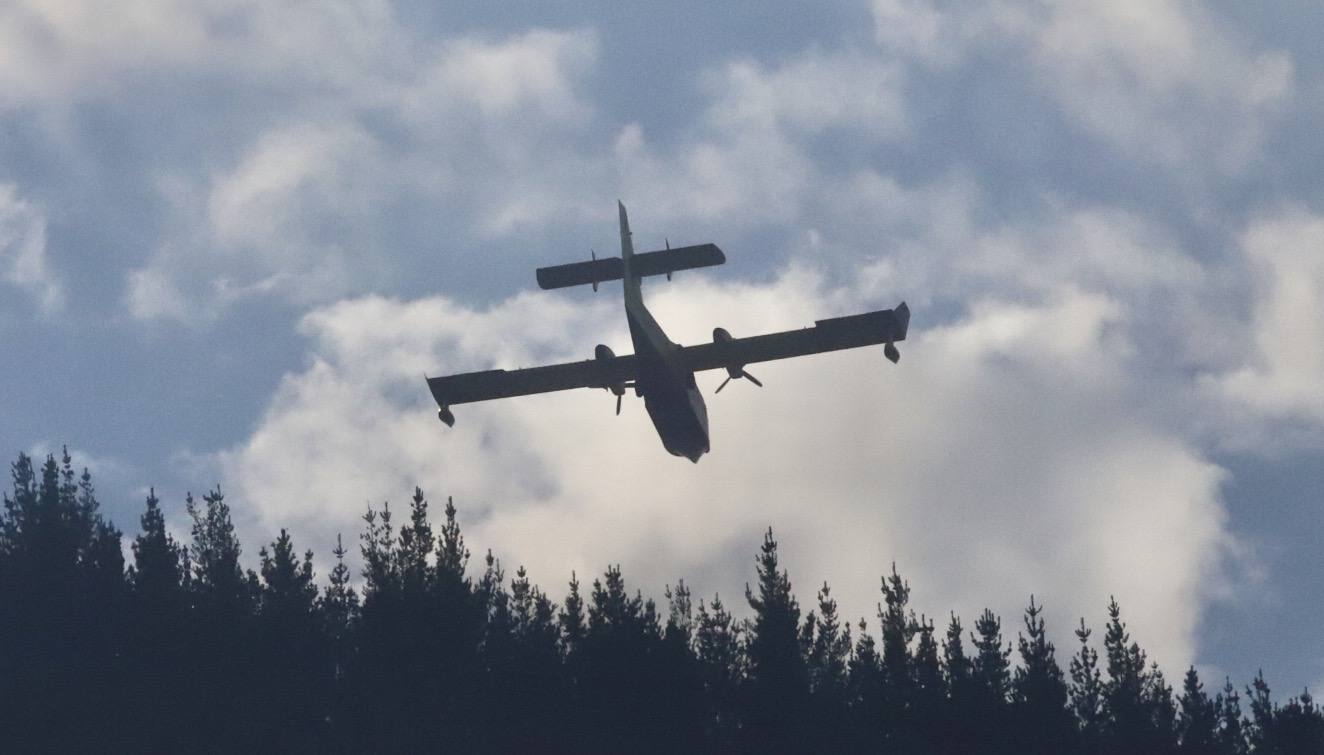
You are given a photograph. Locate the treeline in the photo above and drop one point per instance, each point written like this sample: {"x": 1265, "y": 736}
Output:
{"x": 185, "y": 650}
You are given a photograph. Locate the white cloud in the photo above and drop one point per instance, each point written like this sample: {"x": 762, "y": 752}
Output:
{"x": 298, "y": 213}
{"x": 1281, "y": 370}
{"x": 1163, "y": 82}
{"x": 23, "y": 249}
{"x": 1005, "y": 455}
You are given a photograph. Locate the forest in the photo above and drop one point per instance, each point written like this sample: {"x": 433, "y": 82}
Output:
{"x": 178, "y": 647}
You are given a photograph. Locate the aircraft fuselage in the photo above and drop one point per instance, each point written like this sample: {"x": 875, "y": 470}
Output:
{"x": 670, "y": 394}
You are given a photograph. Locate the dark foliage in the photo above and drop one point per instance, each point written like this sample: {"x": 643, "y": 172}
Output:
{"x": 185, "y": 650}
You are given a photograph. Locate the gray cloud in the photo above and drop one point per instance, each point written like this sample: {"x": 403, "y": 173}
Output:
{"x": 23, "y": 260}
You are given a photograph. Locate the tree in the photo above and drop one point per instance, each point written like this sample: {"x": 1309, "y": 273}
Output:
{"x": 1199, "y": 716}
{"x": 718, "y": 650}
{"x": 991, "y": 676}
{"x": 1039, "y": 691}
{"x": 778, "y": 682}
{"x": 1138, "y": 702}
{"x": 828, "y": 661}
{"x": 899, "y": 724}
{"x": 1087, "y": 692}
{"x": 961, "y": 731}
{"x": 62, "y": 612}
{"x": 225, "y": 664}
{"x": 296, "y": 671}
{"x": 158, "y": 633}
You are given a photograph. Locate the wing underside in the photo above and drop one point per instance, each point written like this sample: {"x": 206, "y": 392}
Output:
{"x": 493, "y": 384}
{"x": 883, "y": 326}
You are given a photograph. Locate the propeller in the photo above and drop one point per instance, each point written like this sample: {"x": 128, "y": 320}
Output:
{"x": 604, "y": 353}
{"x": 737, "y": 372}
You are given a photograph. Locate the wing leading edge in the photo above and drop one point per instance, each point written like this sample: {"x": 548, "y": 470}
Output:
{"x": 884, "y": 326}
{"x": 493, "y": 384}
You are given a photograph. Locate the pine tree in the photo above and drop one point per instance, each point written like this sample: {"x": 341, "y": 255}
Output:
{"x": 865, "y": 690}
{"x": 991, "y": 674}
{"x": 828, "y": 660}
{"x": 960, "y": 727}
{"x": 225, "y": 661}
{"x": 62, "y": 614}
{"x": 898, "y": 629}
{"x": 1231, "y": 733}
{"x": 339, "y": 612}
{"x": 159, "y": 584}
{"x": 1039, "y": 691}
{"x": 718, "y": 650}
{"x": 930, "y": 689}
{"x": 295, "y": 662}
{"x": 1134, "y": 699}
{"x": 1087, "y": 692}
{"x": 1199, "y": 717}
{"x": 778, "y": 683}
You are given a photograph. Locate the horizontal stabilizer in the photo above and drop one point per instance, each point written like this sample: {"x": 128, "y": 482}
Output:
{"x": 661, "y": 262}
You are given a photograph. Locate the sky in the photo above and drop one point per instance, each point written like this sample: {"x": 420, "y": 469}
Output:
{"x": 234, "y": 237}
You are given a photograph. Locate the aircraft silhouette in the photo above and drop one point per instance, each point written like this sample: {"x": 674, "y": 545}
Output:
{"x": 660, "y": 371}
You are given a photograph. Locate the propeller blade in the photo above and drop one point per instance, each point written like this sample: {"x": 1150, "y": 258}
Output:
{"x": 720, "y": 387}
{"x": 618, "y": 403}
{"x": 751, "y": 378}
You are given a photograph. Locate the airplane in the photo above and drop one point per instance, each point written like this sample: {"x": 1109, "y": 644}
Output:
{"x": 660, "y": 371}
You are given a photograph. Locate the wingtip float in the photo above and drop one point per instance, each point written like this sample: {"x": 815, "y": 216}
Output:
{"x": 660, "y": 371}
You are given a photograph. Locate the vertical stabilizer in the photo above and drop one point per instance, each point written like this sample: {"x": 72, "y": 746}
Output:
{"x": 631, "y": 281}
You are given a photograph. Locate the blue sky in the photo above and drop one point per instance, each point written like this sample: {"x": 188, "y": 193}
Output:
{"x": 233, "y": 237}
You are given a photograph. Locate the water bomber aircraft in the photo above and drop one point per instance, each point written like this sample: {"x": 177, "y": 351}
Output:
{"x": 660, "y": 371}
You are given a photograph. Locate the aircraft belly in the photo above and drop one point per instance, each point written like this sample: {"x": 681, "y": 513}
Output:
{"x": 681, "y": 424}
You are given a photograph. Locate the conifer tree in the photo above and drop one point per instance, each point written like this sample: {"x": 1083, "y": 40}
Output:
{"x": 1039, "y": 691}
{"x": 340, "y": 608}
{"x": 828, "y": 661}
{"x": 1298, "y": 726}
{"x": 294, "y": 661}
{"x": 864, "y": 688}
{"x": 1199, "y": 716}
{"x": 960, "y": 730}
{"x": 930, "y": 695}
{"x": 778, "y": 683}
{"x": 718, "y": 650}
{"x": 991, "y": 674}
{"x": 1137, "y": 714}
{"x": 157, "y": 645}
{"x": 224, "y": 600}
{"x": 898, "y": 628}
{"x": 1231, "y": 734}
{"x": 1087, "y": 692}
{"x": 339, "y": 611}
{"x": 571, "y": 619}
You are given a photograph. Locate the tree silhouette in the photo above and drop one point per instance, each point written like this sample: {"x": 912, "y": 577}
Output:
{"x": 187, "y": 650}
{"x": 777, "y": 686}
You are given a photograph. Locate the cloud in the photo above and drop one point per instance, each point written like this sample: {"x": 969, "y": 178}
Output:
{"x": 1161, "y": 82}
{"x": 1005, "y": 455}
{"x": 1277, "y": 381}
{"x": 23, "y": 249}
{"x": 300, "y": 211}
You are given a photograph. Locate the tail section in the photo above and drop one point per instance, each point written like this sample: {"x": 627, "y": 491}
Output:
{"x": 631, "y": 279}
{"x": 629, "y": 266}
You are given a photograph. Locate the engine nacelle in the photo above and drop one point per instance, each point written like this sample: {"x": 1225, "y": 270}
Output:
{"x": 720, "y": 335}
{"x": 445, "y": 415}
{"x": 603, "y": 351}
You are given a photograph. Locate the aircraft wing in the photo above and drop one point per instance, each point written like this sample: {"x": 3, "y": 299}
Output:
{"x": 491, "y": 384}
{"x": 883, "y": 326}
